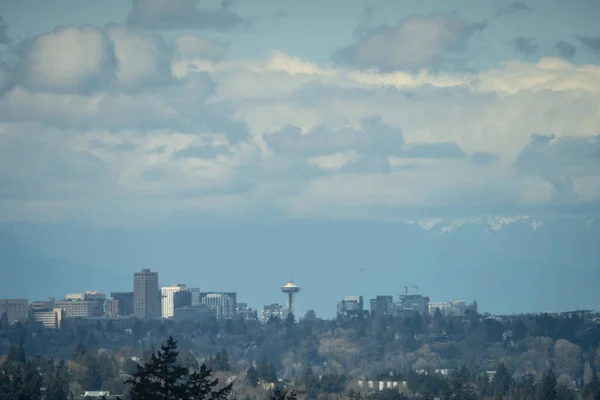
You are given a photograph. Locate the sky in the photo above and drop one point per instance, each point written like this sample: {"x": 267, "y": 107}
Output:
{"x": 133, "y": 113}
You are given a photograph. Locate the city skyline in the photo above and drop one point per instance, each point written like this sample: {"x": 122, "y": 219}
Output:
{"x": 450, "y": 144}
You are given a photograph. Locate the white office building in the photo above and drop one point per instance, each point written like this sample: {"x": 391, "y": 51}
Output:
{"x": 167, "y": 299}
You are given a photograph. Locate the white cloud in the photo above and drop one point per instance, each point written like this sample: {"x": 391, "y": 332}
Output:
{"x": 185, "y": 145}
{"x": 144, "y": 57}
{"x": 68, "y": 60}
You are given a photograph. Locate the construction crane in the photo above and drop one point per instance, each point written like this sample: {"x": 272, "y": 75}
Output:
{"x": 406, "y": 287}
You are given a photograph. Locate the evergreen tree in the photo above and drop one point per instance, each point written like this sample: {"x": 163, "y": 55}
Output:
{"x": 460, "y": 385}
{"x": 279, "y": 393}
{"x": 547, "y": 386}
{"x": 200, "y": 386}
{"x": 502, "y": 381}
{"x": 564, "y": 393}
{"x": 252, "y": 376}
{"x": 59, "y": 385}
{"x": 32, "y": 382}
{"x": 161, "y": 378}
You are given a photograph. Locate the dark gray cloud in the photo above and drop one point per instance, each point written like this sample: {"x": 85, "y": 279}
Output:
{"x": 526, "y": 46}
{"x": 513, "y": 7}
{"x": 415, "y": 42}
{"x": 483, "y": 158}
{"x": 565, "y": 50}
{"x": 560, "y": 160}
{"x": 4, "y": 38}
{"x": 591, "y": 42}
{"x": 181, "y": 14}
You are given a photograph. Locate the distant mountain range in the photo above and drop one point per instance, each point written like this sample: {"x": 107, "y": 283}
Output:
{"x": 507, "y": 264}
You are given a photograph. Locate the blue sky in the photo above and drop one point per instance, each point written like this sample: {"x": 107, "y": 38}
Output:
{"x": 133, "y": 114}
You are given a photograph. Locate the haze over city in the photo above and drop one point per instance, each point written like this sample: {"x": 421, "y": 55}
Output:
{"x": 355, "y": 146}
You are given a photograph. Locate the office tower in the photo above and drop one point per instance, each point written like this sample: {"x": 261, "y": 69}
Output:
{"x": 167, "y": 297}
{"x": 183, "y": 298}
{"x": 146, "y": 294}
{"x": 272, "y": 311}
{"x": 195, "y": 296}
{"x": 290, "y": 289}
{"x": 224, "y": 304}
{"x": 124, "y": 302}
{"x": 350, "y": 307}
{"x": 15, "y": 309}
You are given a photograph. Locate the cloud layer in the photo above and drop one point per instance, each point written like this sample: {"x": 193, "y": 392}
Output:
{"x": 124, "y": 122}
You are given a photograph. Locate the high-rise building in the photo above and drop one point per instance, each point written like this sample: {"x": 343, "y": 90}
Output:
{"x": 195, "y": 292}
{"x": 183, "y": 298}
{"x": 272, "y": 311}
{"x": 167, "y": 297}
{"x": 124, "y": 302}
{"x": 350, "y": 307}
{"x": 224, "y": 304}
{"x": 15, "y": 309}
{"x": 146, "y": 294}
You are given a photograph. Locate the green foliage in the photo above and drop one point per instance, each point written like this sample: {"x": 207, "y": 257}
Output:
{"x": 460, "y": 385}
{"x": 252, "y": 376}
{"x": 220, "y": 362}
{"x": 161, "y": 378}
{"x": 201, "y": 386}
{"x": 59, "y": 385}
{"x": 547, "y": 388}
{"x": 502, "y": 381}
{"x": 278, "y": 393}
{"x": 267, "y": 371}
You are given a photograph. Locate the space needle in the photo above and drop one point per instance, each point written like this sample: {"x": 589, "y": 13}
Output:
{"x": 290, "y": 289}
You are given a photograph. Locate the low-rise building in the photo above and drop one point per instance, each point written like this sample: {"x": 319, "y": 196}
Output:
{"x": 16, "y": 310}
{"x": 201, "y": 313}
{"x": 451, "y": 308}
{"x": 383, "y": 305}
{"x": 46, "y": 313}
{"x": 248, "y": 314}
{"x": 411, "y": 303}
{"x": 350, "y": 307}
{"x": 272, "y": 311}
